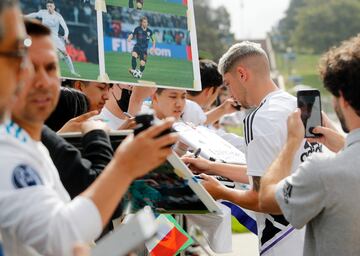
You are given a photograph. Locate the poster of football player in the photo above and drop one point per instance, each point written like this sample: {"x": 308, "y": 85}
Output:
{"x": 136, "y": 42}
{"x": 175, "y": 7}
{"x": 73, "y": 26}
{"x": 151, "y": 42}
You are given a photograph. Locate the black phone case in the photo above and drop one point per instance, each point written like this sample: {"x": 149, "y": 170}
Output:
{"x": 303, "y": 93}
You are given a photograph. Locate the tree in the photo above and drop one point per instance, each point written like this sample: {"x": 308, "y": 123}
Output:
{"x": 289, "y": 23}
{"x": 315, "y": 25}
{"x": 213, "y": 29}
{"x": 325, "y": 25}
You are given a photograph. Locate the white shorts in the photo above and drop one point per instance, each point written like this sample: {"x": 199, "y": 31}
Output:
{"x": 59, "y": 43}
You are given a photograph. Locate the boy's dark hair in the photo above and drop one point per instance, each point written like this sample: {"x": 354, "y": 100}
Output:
{"x": 71, "y": 83}
{"x": 35, "y": 28}
{"x": 159, "y": 90}
{"x": 210, "y": 76}
{"x": 340, "y": 71}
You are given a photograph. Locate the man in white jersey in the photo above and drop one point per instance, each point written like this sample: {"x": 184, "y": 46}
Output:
{"x": 53, "y": 20}
{"x": 246, "y": 71}
{"x": 323, "y": 192}
{"x": 37, "y": 216}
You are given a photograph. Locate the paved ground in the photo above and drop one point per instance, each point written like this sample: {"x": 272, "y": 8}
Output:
{"x": 243, "y": 245}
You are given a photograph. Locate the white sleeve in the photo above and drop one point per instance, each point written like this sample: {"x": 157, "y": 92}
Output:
{"x": 302, "y": 195}
{"x": 194, "y": 114}
{"x": 64, "y": 26}
{"x": 34, "y": 15}
{"x": 38, "y": 218}
{"x": 262, "y": 151}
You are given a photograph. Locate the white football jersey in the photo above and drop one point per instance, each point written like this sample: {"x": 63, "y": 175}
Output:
{"x": 265, "y": 131}
{"x": 53, "y": 22}
{"x": 37, "y": 216}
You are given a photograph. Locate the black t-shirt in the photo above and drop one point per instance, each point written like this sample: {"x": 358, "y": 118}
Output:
{"x": 72, "y": 103}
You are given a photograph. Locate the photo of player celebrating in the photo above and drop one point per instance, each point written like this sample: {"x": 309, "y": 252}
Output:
{"x": 139, "y": 4}
{"x": 53, "y": 20}
{"x": 142, "y": 34}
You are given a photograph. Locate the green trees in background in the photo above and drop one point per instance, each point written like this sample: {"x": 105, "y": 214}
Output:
{"x": 213, "y": 29}
{"x": 313, "y": 26}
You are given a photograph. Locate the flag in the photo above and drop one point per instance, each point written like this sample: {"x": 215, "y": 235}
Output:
{"x": 170, "y": 239}
{"x": 243, "y": 216}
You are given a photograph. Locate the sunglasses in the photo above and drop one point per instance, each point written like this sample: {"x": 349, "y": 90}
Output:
{"x": 20, "y": 54}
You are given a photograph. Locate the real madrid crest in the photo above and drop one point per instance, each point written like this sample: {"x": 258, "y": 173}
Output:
{"x": 25, "y": 176}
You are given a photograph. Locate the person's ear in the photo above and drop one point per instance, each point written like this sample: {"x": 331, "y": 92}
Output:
{"x": 154, "y": 98}
{"x": 78, "y": 85}
{"x": 242, "y": 73}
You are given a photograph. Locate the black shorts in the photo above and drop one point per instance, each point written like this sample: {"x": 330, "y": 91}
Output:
{"x": 141, "y": 52}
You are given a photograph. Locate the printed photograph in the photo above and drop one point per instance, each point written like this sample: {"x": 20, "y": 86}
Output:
{"x": 150, "y": 48}
{"x": 164, "y": 191}
{"x": 174, "y": 7}
{"x": 73, "y": 28}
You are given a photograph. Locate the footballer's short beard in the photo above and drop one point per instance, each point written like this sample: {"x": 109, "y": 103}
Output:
{"x": 341, "y": 117}
{"x": 244, "y": 102}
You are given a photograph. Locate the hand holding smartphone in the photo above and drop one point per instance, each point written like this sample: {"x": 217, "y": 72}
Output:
{"x": 309, "y": 103}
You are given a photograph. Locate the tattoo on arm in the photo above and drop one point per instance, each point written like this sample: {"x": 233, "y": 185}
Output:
{"x": 256, "y": 183}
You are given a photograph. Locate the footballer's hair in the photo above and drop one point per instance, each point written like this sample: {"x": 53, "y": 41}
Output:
{"x": 210, "y": 76}
{"x": 142, "y": 19}
{"x": 35, "y": 28}
{"x": 50, "y": 2}
{"x": 4, "y": 5}
{"x": 238, "y": 52}
{"x": 339, "y": 70}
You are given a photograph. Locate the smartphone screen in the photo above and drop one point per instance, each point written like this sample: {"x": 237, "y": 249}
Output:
{"x": 310, "y": 104}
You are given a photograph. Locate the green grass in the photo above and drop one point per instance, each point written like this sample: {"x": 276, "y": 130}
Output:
{"x": 87, "y": 71}
{"x": 238, "y": 130}
{"x": 155, "y": 6}
{"x": 163, "y": 71}
{"x": 237, "y": 227}
{"x": 306, "y": 66}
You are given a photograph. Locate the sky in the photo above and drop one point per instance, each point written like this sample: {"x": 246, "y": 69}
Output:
{"x": 255, "y": 18}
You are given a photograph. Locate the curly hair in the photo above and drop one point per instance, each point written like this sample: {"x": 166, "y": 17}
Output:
{"x": 340, "y": 71}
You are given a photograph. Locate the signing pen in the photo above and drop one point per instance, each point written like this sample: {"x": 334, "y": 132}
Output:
{"x": 128, "y": 115}
{"x": 197, "y": 153}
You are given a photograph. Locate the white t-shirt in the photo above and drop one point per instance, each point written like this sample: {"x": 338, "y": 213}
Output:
{"x": 37, "y": 216}
{"x": 265, "y": 131}
{"x": 193, "y": 113}
{"x": 111, "y": 120}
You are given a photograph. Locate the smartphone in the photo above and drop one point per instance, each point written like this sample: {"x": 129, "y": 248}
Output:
{"x": 310, "y": 104}
{"x": 237, "y": 106}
